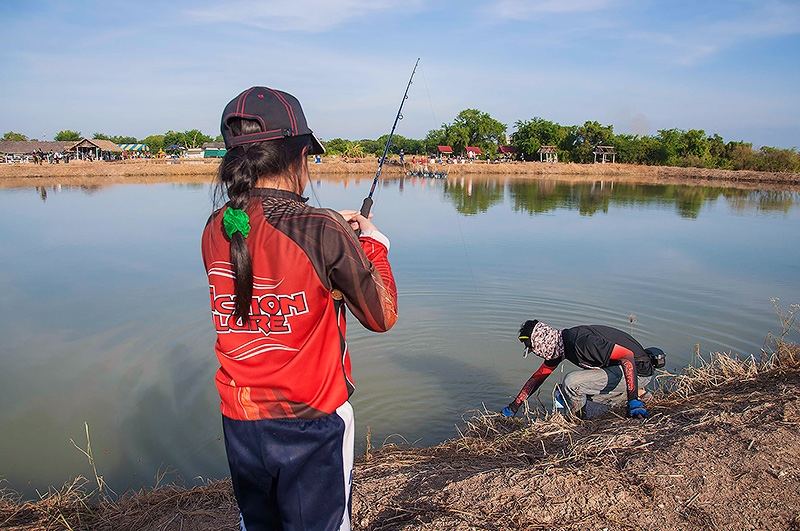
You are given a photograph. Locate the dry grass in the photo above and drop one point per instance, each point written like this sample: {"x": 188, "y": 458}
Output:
{"x": 472, "y": 482}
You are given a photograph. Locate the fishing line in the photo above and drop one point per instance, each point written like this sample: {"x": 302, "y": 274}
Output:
{"x": 366, "y": 206}
{"x": 430, "y": 100}
{"x": 314, "y": 191}
{"x": 468, "y": 258}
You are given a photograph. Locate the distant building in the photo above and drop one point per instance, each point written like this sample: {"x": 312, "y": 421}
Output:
{"x": 20, "y": 150}
{"x": 548, "y": 154}
{"x": 94, "y": 149}
{"x": 473, "y": 151}
{"x": 194, "y": 153}
{"x": 444, "y": 150}
{"x": 507, "y": 152}
{"x": 134, "y": 148}
{"x": 214, "y": 150}
{"x": 605, "y": 152}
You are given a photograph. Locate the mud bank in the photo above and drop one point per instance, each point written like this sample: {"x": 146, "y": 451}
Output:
{"x": 202, "y": 170}
{"x": 719, "y": 452}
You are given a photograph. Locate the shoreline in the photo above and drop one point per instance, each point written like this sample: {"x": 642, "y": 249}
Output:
{"x": 719, "y": 451}
{"x": 203, "y": 171}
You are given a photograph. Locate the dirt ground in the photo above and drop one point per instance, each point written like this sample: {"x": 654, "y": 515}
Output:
{"x": 720, "y": 451}
{"x": 204, "y": 170}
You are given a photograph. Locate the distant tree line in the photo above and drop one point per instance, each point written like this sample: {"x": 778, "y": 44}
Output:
{"x": 669, "y": 147}
{"x": 574, "y": 143}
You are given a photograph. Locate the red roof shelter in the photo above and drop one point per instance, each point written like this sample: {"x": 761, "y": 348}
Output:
{"x": 507, "y": 150}
{"x": 445, "y": 149}
{"x": 473, "y": 149}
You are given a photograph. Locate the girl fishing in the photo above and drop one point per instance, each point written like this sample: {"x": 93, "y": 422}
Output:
{"x": 280, "y": 274}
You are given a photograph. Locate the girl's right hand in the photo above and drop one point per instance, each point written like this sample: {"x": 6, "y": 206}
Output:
{"x": 357, "y": 221}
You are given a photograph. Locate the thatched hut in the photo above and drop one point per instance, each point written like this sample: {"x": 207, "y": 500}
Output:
{"x": 548, "y": 154}
{"x": 606, "y": 154}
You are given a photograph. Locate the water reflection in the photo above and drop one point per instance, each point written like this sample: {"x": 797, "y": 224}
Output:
{"x": 471, "y": 197}
{"x": 45, "y": 191}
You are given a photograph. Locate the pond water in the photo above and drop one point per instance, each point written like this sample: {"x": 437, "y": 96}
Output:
{"x": 105, "y": 316}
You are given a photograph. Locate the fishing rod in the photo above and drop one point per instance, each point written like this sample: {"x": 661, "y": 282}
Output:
{"x": 366, "y": 206}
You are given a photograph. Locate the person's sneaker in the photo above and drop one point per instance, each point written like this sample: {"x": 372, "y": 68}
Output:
{"x": 558, "y": 398}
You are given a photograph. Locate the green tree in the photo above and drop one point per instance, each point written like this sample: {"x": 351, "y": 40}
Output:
{"x": 535, "y": 133}
{"x": 355, "y": 150}
{"x": 582, "y": 140}
{"x": 476, "y": 128}
{"x": 470, "y": 128}
{"x": 67, "y": 135}
{"x": 11, "y": 135}
{"x": 174, "y": 138}
{"x": 716, "y": 151}
{"x": 194, "y": 138}
{"x": 117, "y": 139}
{"x": 777, "y": 159}
{"x": 371, "y": 147}
{"x": 154, "y": 142}
{"x": 336, "y": 146}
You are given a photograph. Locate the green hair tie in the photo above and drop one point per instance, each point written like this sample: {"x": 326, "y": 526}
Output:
{"x": 235, "y": 220}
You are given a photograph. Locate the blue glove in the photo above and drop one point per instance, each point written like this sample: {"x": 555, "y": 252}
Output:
{"x": 636, "y": 410}
{"x": 507, "y": 412}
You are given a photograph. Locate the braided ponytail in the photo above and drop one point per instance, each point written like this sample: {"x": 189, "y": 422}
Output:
{"x": 240, "y": 170}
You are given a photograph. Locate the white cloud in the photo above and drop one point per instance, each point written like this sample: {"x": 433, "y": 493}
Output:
{"x": 295, "y": 15}
{"x": 692, "y": 44}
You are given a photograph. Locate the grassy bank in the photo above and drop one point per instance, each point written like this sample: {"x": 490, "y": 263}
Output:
{"x": 719, "y": 452}
{"x": 94, "y": 173}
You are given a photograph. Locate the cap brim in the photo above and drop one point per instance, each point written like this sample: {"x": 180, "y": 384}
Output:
{"x": 316, "y": 146}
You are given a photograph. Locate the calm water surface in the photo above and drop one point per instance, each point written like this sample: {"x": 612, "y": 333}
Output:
{"x": 105, "y": 314}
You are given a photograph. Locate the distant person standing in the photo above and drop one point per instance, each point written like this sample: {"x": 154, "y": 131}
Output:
{"x": 281, "y": 274}
{"x": 402, "y": 158}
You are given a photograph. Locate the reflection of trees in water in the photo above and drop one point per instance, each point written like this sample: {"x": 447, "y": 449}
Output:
{"x": 189, "y": 186}
{"x": 762, "y": 200}
{"x": 471, "y": 197}
{"x": 536, "y": 197}
{"x": 44, "y": 191}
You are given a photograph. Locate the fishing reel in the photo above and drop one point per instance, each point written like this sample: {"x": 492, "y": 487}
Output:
{"x": 657, "y": 357}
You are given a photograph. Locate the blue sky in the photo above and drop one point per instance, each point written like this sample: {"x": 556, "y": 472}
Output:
{"x": 144, "y": 67}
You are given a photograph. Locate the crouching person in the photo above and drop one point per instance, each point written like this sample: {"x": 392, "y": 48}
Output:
{"x": 616, "y": 367}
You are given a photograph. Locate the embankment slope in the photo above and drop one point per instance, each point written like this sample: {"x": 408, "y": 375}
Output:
{"x": 99, "y": 173}
{"x": 719, "y": 452}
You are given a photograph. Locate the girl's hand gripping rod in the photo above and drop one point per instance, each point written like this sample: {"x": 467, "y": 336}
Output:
{"x": 366, "y": 206}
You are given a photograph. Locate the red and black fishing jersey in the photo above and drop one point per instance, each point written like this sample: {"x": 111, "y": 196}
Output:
{"x": 591, "y": 346}
{"x": 290, "y": 359}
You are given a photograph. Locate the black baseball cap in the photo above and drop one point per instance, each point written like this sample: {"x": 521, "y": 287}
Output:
{"x": 279, "y": 114}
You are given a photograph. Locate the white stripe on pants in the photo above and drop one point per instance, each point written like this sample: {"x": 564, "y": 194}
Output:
{"x": 345, "y": 411}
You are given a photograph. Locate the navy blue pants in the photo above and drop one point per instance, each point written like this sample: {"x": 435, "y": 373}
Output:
{"x": 292, "y": 474}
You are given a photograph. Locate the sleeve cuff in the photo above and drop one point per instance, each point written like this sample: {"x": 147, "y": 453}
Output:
{"x": 377, "y": 236}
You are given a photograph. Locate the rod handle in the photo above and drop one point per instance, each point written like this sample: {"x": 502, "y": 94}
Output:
{"x": 366, "y": 206}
